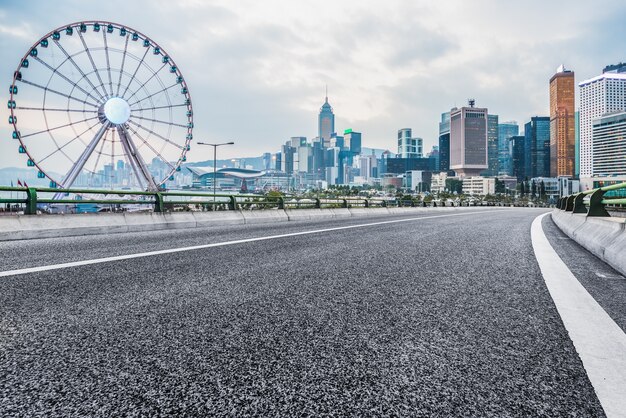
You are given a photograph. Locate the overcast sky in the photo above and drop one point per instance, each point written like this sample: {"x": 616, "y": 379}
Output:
{"x": 257, "y": 69}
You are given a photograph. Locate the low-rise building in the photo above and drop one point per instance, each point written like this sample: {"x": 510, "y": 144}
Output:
{"x": 479, "y": 185}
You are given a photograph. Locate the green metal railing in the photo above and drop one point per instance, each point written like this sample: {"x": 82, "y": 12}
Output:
{"x": 33, "y": 197}
{"x": 593, "y": 202}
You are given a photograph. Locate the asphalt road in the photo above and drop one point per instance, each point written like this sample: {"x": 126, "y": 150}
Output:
{"x": 442, "y": 316}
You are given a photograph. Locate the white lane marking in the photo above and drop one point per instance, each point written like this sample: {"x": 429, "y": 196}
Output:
{"x": 218, "y": 244}
{"x": 599, "y": 341}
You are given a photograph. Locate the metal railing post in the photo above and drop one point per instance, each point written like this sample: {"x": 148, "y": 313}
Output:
{"x": 596, "y": 207}
{"x": 569, "y": 203}
{"x": 232, "y": 202}
{"x": 318, "y": 203}
{"x": 367, "y": 203}
{"x": 158, "y": 202}
{"x": 31, "y": 201}
{"x": 579, "y": 206}
{"x": 344, "y": 203}
{"x": 281, "y": 203}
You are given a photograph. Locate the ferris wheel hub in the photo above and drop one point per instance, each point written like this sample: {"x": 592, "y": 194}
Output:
{"x": 117, "y": 110}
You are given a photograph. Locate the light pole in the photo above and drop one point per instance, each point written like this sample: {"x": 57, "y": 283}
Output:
{"x": 215, "y": 162}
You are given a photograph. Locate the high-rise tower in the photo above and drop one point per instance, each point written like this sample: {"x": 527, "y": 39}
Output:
{"x": 562, "y": 124}
{"x": 599, "y": 96}
{"x": 326, "y": 122}
{"x": 468, "y": 140}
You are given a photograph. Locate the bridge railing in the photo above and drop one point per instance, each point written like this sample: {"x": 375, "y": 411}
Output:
{"x": 594, "y": 202}
{"x": 37, "y": 199}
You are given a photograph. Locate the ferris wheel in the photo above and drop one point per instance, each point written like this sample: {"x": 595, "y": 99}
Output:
{"x": 100, "y": 104}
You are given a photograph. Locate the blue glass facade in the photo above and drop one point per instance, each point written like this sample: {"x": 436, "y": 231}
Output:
{"x": 537, "y": 147}
{"x": 505, "y": 131}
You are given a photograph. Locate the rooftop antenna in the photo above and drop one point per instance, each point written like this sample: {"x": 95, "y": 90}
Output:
{"x": 471, "y": 102}
{"x": 326, "y": 93}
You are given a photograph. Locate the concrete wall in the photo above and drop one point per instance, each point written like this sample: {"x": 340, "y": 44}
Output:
{"x": 19, "y": 227}
{"x": 604, "y": 237}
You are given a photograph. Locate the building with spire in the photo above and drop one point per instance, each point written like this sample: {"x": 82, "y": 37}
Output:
{"x": 326, "y": 122}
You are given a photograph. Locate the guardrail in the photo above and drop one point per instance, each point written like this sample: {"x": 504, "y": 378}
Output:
{"x": 164, "y": 201}
{"x": 593, "y": 202}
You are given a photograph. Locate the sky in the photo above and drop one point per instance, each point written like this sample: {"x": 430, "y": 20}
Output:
{"x": 257, "y": 70}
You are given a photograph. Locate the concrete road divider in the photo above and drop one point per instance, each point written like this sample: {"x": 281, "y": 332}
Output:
{"x": 264, "y": 216}
{"x": 604, "y": 237}
{"x": 308, "y": 214}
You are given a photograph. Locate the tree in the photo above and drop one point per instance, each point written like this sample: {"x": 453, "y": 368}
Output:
{"x": 522, "y": 188}
{"x": 454, "y": 186}
{"x": 500, "y": 186}
{"x": 542, "y": 190}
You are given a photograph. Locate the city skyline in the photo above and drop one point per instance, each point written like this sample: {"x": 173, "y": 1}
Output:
{"x": 381, "y": 78}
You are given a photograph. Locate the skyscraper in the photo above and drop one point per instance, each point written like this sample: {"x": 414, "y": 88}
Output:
{"x": 537, "y": 147}
{"x": 468, "y": 140}
{"x": 444, "y": 142}
{"x": 600, "y": 95}
{"x": 492, "y": 146}
{"x": 408, "y": 146}
{"x": 505, "y": 131}
{"x": 516, "y": 149}
{"x": 562, "y": 124}
{"x": 609, "y": 144}
{"x": 326, "y": 123}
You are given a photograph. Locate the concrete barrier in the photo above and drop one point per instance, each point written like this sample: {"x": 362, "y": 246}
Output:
{"x": 603, "y": 237}
{"x": 226, "y": 217}
{"x": 308, "y": 214}
{"x": 264, "y": 216}
{"x": 368, "y": 211}
{"x": 20, "y": 227}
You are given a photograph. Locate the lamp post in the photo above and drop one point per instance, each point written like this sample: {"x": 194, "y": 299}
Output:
{"x": 215, "y": 162}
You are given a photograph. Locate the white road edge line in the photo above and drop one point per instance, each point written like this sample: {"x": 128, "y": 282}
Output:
{"x": 217, "y": 244}
{"x": 599, "y": 341}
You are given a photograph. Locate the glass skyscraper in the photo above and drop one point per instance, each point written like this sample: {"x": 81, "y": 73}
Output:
{"x": 537, "y": 147}
{"x": 326, "y": 123}
{"x": 492, "y": 145}
{"x": 505, "y": 131}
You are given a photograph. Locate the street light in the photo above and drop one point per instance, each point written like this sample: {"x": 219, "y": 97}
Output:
{"x": 215, "y": 162}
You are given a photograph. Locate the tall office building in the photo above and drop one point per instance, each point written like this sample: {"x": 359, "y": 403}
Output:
{"x": 600, "y": 95}
{"x": 609, "y": 144}
{"x": 468, "y": 140}
{"x": 326, "y": 123}
{"x": 352, "y": 141}
{"x": 408, "y": 146}
{"x": 518, "y": 162}
{"x": 537, "y": 147}
{"x": 492, "y": 146}
{"x": 562, "y": 124}
{"x": 505, "y": 131}
{"x": 444, "y": 142}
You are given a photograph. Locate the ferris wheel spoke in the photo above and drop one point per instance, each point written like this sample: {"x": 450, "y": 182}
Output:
{"x": 80, "y": 163}
{"x": 157, "y": 153}
{"x": 146, "y": 82}
{"x": 161, "y": 121}
{"x": 160, "y": 107}
{"x": 119, "y": 80}
{"x": 126, "y": 139}
{"x": 57, "y": 72}
{"x": 93, "y": 64}
{"x": 102, "y": 142}
{"x": 58, "y": 44}
{"x": 136, "y": 70}
{"x": 48, "y": 109}
{"x": 106, "y": 51}
{"x": 156, "y": 134}
{"x": 58, "y": 92}
{"x": 153, "y": 94}
{"x": 58, "y": 127}
{"x": 60, "y": 149}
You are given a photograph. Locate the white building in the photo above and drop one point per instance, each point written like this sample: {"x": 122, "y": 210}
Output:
{"x": 609, "y": 144}
{"x": 600, "y": 95}
{"x": 408, "y": 146}
{"x": 438, "y": 182}
{"x": 479, "y": 185}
